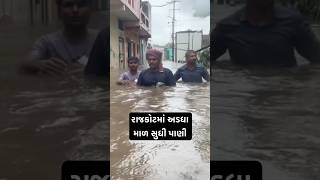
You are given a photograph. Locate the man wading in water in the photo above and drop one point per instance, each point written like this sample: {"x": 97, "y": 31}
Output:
{"x": 265, "y": 34}
{"x": 191, "y": 71}
{"x": 155, "y": 75}
{"x": 129, "y": 77}
{"x": 67, "y": 50}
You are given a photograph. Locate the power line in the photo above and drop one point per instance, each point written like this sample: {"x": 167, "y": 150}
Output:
{"x": 172, "y": 23}
{"x": 162, "y": 5}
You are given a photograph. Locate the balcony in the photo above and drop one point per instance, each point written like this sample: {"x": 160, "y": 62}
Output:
{"x": 124, "y": 11}
{"x": 144, "y": 25}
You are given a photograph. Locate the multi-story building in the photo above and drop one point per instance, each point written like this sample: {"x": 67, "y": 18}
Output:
{"x": 129, "y": 30}
{"x": 145, "y": 29}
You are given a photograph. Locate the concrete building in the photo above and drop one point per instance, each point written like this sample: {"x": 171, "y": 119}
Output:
{"x": 129, "y": 30}
{"x": 145, "y": 30}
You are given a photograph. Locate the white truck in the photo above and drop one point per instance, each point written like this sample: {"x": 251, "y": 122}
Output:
{"x": 187, "y": 40}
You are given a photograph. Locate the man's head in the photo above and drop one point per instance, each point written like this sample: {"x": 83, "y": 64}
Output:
{"x": 154, "y": 58}
{"x": 133, "y": 63}
{"x": 74, "y": 13}
{"x": 260, "y": 4}
{"x": 191, "y": 57}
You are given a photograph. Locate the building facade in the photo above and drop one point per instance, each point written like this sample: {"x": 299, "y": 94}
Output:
{"x": 129, "y": 31}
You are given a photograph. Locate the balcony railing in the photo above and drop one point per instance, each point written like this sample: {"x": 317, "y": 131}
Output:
{"x": 144, "y": 21}
{"x": 133, "y": 5}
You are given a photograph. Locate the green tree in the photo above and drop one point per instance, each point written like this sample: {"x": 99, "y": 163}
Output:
{"x": 205, "y": 58}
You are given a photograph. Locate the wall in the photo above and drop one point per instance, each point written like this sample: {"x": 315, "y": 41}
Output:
{"x": 114, "y": 42}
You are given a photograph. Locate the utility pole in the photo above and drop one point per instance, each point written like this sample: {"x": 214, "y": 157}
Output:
{"x": 173, "y": 19}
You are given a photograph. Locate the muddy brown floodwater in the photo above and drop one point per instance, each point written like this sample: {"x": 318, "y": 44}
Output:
{"x": 267, "y": 114}
{"x": 45, "y": 121}
{"x": 144, "y": 160}
{"x": 270, "y": 115}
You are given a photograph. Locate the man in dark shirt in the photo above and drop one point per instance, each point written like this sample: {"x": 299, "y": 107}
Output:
{"x": 98, "y": 60}
{"x": 191, "y": 71}
{"x": 265, "y": 34}
{"x": 65, "y": 51}
{"x": 155, "y": 75}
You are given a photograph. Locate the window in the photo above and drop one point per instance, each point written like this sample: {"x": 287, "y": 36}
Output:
{"x": 134, "y": 49}
{"x": 121, "y": 53}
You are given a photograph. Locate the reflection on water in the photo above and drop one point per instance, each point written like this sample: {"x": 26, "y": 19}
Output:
{"x": 271, "y": 115}
{"x": 45, "y": 121}
{"x": 160, "y": 159}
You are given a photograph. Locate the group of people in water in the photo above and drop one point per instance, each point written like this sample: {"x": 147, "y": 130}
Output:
{"x": 157, "y": 75}
{"x": 77, "y": 49}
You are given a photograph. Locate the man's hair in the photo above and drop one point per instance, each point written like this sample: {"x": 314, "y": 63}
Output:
{"x": 133, "y": 58}
{"x": 59, "y": 3}
{"x": 190, "y": 52}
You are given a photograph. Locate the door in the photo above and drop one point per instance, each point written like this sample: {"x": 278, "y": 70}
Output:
{"x": 121, "y": 53}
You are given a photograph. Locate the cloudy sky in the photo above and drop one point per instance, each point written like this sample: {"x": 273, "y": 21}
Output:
{"x": 191, "y": 14}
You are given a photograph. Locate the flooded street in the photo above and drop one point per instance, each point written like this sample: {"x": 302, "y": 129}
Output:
{"x": 160, "y": 159}
{"x": 270, "y": 115}
{"x": 267, "y": 114}
{"x": 45, "y": 121}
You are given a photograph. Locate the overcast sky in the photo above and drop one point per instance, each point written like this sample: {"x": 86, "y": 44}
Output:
{"x": 191, "y": 14}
